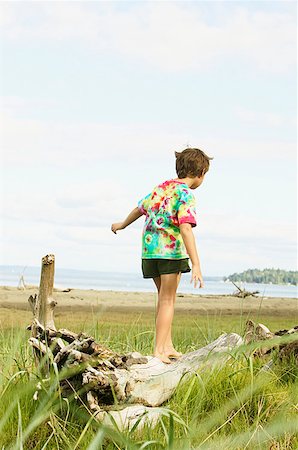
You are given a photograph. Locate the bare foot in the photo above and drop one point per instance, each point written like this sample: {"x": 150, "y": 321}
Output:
{"x": 173, "y": 353}
{"x": 163, "y": 357}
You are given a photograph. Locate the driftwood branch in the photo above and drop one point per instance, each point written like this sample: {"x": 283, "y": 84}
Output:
{"x": 22, "y": 284}
{"x": 242, "y": 293}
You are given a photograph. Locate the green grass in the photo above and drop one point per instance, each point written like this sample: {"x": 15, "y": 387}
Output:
{"x": 232, "y": 406}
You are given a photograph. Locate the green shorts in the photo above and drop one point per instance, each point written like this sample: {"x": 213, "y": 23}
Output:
{"x": 153, "y": 268}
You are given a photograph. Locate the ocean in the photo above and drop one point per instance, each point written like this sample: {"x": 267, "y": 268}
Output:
{"x": 87, "y": 279}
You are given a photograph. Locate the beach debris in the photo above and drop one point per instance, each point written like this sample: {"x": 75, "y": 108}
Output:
{"x": 259, "y": 332}
{"x": 62, "y": 290}
{"x": 242, "y": 293}
{"x": 22, "y": 284}
{"x": 125, "y": 390}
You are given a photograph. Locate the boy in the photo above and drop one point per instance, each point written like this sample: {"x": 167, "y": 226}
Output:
{"x": 168, "y": 241}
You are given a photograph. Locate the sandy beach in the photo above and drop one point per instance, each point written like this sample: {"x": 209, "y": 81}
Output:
{"x": 92, "y": 300}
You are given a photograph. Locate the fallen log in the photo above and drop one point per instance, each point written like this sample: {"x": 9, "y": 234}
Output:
{"x": 118, "y": 389}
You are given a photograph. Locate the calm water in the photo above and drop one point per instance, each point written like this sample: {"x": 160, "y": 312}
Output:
{"x": 66, "y": 278}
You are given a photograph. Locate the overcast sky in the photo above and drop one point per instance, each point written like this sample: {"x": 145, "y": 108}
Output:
{"x": 97, "y": 96}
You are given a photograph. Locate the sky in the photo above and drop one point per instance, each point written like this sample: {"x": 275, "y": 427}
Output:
{"x": 97, "y": 96}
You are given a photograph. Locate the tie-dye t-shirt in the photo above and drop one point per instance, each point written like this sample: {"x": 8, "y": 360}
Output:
{"x": 166, "y": 207}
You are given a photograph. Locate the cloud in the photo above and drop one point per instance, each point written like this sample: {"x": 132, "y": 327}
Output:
{"x": 14, "y": 105}
{"x": 48, "y": 21}
{"x": 29, "y": 142}
{"x": 79, "y": 247}
{"x": 263, "y": 118}
{"x": 244, "y": 228}
{"x": 166, "y": 35}
{"x": 85, "y": 204}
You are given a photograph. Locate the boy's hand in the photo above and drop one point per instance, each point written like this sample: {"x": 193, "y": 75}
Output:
{"x": 117, "y": 226}
{"x": 196, "y": 276}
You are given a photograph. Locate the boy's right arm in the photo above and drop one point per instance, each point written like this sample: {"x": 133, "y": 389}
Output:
{"x": 132, "y": 216}
{"x": 190, "y": 244}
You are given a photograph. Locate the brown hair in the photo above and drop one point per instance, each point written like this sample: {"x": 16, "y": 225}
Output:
{"x": 191, "y": 162}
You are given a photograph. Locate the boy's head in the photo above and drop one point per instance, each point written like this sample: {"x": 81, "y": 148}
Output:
{"x": 192, "y": 162}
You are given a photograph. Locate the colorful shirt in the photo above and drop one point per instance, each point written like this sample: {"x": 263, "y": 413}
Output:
{"x": 166, "y": 207}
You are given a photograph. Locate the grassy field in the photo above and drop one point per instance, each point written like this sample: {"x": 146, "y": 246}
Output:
{"x": 236, "y": 406}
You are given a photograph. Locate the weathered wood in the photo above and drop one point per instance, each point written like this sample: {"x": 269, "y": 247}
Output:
{"x": 40, "y": 346}
{"x": 289, "y": 351}
{"x": 149, "y": 385}
{"x": 66, "y": 335}
{"x": 290, "y": 331}
{"x": 45, "y": 303}
{"x": 62, "y": 290}
{"x": 243, "y": 293}
{"x": 137, "y": 383}
{"x": 63, "y": 333}
{"x": 32, "y": 303}
{"x": 22, "y": 284}
{"x": 153, "y": 383}
{"x": 126, "y": 417}
{"x": 42, "y": 307}
{"x": 259, "y": 332}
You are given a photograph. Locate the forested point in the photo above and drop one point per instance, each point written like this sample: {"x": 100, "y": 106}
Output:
{"x": 273, "y": 276}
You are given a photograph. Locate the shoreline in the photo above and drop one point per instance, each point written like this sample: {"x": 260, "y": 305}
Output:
{"x": 76, "y": 300}
{"x": 61, "y": 290}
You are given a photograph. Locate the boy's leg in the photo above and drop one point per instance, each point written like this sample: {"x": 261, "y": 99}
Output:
{"x": 169, "y": 347}
{"x": 166, "y": 301}
{"x": 157, "y": 283}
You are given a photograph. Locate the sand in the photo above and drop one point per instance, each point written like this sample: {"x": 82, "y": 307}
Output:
{"x": 93, "y": 300}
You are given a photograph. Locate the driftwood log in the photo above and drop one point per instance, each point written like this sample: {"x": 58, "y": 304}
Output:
{"x": 116, "y": 388}
{"x": 243, "y": 293}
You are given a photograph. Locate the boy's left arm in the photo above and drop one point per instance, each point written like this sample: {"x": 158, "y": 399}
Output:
{"x": 132, "y": 216}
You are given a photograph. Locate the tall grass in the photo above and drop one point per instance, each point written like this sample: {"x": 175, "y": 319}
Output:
{"x": 234, "y": 406}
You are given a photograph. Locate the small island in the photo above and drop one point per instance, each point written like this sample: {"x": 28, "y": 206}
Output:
{"x": 267, "y": 276}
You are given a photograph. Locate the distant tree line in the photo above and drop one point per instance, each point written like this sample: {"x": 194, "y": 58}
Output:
{"x": 274, "y": 276}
